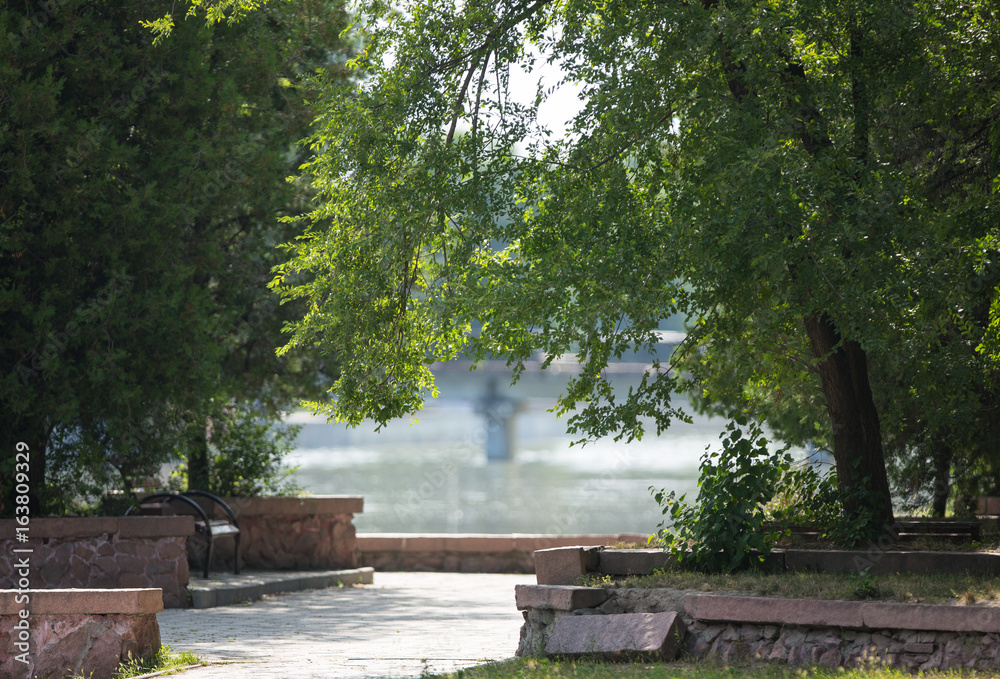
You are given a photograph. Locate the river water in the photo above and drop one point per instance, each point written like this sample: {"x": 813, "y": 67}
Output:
{"x": 433, "y": 475}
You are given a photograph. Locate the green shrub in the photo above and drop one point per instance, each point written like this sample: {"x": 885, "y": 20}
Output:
{"x": 743, "y": 488}
{"x": 247, "y": 449}
{"x": 724, "y": 530}
{"x": 804, "y": 496}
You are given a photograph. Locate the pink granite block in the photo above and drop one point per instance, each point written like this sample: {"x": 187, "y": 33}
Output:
{"x": 564, "y": 565}
{"x": 766, "y": 610}
{"x": 558, "y": 598}
{"x": 656, "y": 634}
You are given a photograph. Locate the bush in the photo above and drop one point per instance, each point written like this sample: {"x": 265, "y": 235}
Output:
{"x": 247, "y": 449}
{"x": 724, "y": 530}
{"x": 743, "y": 489}
{"x": 804, "y": 496}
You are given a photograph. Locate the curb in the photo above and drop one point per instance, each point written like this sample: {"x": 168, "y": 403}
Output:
{"x": 256, "y": 585}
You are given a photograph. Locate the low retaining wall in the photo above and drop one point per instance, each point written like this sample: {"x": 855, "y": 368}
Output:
{"x": 285, "y": 533}
{"x": 102, "y": 552}
{"x": 76, "y": 631}
{"x": 791, "y": 631}
{"x": 565, "y": 565}
{"x": 468, "y": 552}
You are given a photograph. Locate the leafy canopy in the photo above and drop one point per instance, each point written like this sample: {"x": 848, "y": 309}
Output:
{"x": 139, "y": 198}
{"x": 772, "y": 170}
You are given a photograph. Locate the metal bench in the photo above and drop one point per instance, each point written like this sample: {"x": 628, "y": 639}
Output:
{"x": 207, "y": 529}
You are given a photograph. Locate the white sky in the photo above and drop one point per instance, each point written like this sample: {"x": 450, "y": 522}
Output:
{"x": 561, "y": 106}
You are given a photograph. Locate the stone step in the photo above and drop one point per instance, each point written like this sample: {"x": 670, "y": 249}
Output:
{"x": 656, "y": 635}
{"x": 226, "y": 589}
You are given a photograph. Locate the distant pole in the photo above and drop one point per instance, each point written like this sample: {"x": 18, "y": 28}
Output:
{"x": 499, "y": 411}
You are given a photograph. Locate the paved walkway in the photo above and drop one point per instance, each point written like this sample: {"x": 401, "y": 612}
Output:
{"x": 403, "y": 625}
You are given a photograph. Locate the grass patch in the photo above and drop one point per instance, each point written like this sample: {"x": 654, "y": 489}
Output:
{"x": 165, "y": 661}
{"x": 546, "y": 669}
{"x": 960, "y": 589}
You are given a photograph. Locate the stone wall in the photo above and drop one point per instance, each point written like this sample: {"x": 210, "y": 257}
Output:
{"x": 787, "y": 631}
{"x": 468, "y": 553}
{"x": 834, "y": 647}
{"x": 103, "y": 552}
{"x": 565, "y": 565}
{"x": 76, "y": 632}
{"x": 288, "y": 533}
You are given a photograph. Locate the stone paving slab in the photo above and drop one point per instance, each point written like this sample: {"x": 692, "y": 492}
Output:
{"x": 226, "y": 589}
{"x": 403, "y": 625}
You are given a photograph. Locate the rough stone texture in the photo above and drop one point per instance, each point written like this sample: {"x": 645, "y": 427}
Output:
{"x": 644, "y": 601}
{"x": 656, "y": 634}
{"x": 631, "y": 561}
{"x": 564, "y": 565}
{"x": 61, "y": 645}
{"x": 885, "y": 632}
{"x": 285, "y": 542}
{"x": 105, "y": 560}
{"x": 124, "y": 527}
{"x": 558, "y": 597}
{"x": 535, "y": 631}
{"x": 936, "y": 618}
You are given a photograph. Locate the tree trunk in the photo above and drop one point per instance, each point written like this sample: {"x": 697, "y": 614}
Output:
{"x": 857, "y": 439}
{"x": 198, "y": 458}
{"x": 942, "y": 478}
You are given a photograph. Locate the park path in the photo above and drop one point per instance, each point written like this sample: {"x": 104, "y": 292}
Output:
{"x": 401, "y": 626}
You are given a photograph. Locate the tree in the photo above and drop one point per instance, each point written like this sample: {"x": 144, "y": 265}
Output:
{"x": 139, "y": 200}
{"x": 934, "y": 386}
{"x": 785, "y": 171}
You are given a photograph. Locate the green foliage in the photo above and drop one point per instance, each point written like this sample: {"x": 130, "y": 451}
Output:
{"x": 854, "y": 526}
{"x": 747, "y": 498}
{"x": 804, "y": 496}
{"x": 245, "y": 455}
{"x": 865, "y": 585}
{"x": 163, "y": 661}
{"x": 724, "y": 530}
{"x": 139, "y": 208}
{"x": 812, "y": 186}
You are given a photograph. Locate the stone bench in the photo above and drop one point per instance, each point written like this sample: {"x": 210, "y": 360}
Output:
{"x": 655, "y": 636}
{"x": 76, "y": 631}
